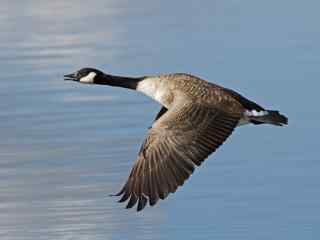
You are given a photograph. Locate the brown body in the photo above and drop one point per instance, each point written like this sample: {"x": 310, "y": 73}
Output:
{"x": 183, "y": 88}
{"x": 195, "y": 119}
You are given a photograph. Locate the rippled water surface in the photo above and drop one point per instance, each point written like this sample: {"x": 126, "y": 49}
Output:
{"x": 64, "y": 147}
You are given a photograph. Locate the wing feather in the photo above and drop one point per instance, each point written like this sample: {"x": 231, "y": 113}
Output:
{"x": 179, "y": 140}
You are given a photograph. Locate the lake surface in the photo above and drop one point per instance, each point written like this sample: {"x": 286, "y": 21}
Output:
{"x": 64, "y": 147}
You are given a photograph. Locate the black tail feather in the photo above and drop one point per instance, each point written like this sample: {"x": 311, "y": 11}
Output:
{"x": 273, "y": 117}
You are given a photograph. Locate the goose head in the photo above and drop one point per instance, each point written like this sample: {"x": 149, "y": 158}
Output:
{"x": 85, "y": 75}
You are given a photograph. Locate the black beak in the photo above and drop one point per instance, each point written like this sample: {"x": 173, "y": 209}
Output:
{"x": 72, "y": 77}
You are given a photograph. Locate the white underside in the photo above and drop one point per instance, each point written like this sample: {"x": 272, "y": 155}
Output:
{"x": 151, "y": 88}
{"x": 243, "y": 121}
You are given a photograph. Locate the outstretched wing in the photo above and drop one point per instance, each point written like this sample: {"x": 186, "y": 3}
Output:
{"x": 162, "y": 111}
{"x": 178, "y": 141}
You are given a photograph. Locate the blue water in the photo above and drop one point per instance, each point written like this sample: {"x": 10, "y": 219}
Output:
{"x": 64, "y": 147}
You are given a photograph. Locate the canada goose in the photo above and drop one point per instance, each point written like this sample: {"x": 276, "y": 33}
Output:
{"x": 195, "y": 119}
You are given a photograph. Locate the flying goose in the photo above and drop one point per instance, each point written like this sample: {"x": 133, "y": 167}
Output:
{"x": 195, "y": 119}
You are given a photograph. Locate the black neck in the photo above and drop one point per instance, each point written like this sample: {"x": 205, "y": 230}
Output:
{"x": 118, "y": 81}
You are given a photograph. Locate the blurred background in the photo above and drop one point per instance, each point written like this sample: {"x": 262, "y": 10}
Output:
{"x": 64, "y": 146}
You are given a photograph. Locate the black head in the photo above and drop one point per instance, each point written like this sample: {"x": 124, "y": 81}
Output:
{"x": 84, "y": 75}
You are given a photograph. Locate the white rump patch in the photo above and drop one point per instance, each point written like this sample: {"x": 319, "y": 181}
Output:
{"x": 89, "y": 78}
{"x": 255, "y": 113}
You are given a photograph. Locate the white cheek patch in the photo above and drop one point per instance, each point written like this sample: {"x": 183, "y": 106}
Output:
{"x": 89, "y": 78}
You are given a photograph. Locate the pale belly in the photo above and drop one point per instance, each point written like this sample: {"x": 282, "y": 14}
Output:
{"x": 243, "y": 121}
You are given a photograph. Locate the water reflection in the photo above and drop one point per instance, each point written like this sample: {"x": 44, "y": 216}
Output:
{"x": 65, "y": 147}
